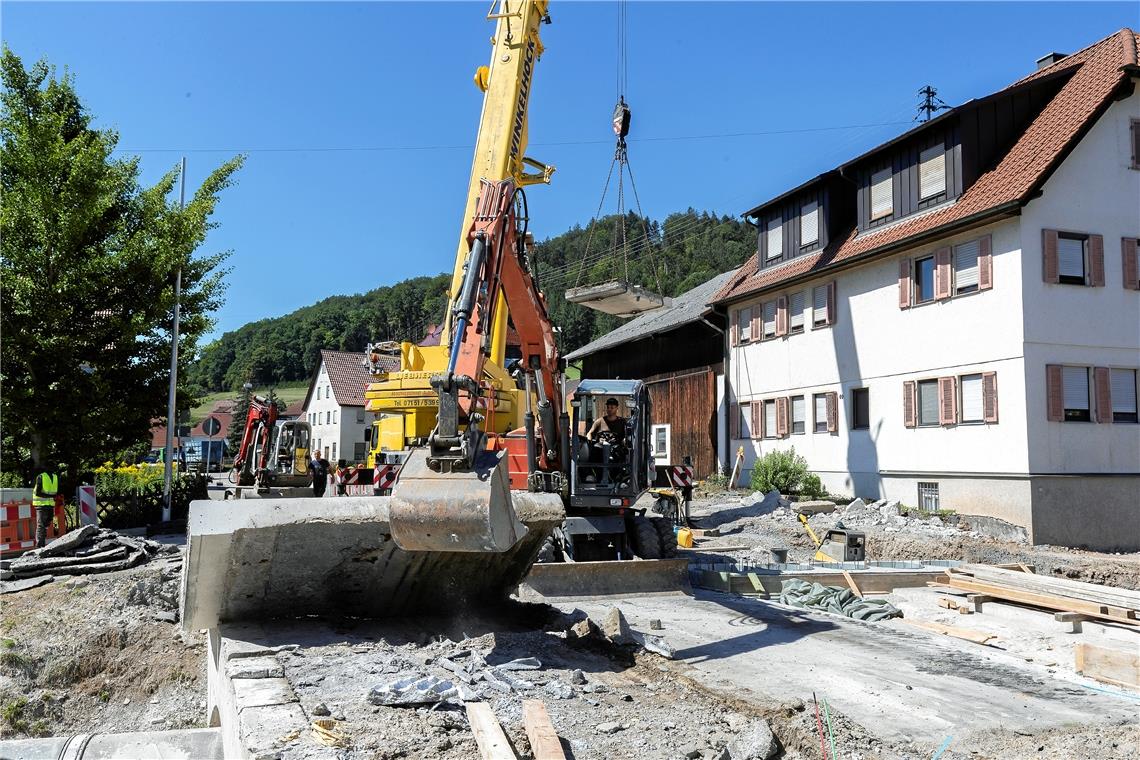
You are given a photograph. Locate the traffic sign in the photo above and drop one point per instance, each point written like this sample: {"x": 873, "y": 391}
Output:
{"x": 211, "y": 426}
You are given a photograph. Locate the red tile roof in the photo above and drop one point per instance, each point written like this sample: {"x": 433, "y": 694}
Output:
{"x": 1099, "y": 70}
{"x": 348, "y": 376}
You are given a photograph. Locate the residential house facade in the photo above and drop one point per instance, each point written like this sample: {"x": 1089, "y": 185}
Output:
{"x": 952, "y": 319}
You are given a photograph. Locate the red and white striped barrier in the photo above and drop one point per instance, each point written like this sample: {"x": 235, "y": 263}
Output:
{"x": 88, "y": 511}
{"x": 681, "y": 476}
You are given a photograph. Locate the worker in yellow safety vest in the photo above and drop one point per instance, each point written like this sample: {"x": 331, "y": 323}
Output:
{"x": 43, "y": 499}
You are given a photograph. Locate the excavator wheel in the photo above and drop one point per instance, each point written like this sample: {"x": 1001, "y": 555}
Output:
{"x": 646, "y": 539}
{"x": 668, "y": 538}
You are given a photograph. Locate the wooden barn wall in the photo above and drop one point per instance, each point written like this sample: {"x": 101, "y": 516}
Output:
{"x": 686, "y": 401}
{"x": 693, "y": 345}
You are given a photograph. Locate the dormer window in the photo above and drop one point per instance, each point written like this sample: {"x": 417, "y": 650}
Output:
{"x": 809, "y": 224}
{"x": 882, "y": 197}
{"x": 775, "y": 241}
{"x": 932, "y": 172}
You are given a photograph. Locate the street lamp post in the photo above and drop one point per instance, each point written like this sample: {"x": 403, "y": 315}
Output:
{"x": 171, "y": 420}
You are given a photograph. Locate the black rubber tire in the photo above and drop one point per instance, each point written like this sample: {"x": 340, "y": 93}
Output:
{"x": 646, "y": 539}
{"x": 667, "y": 536}
{"x": 550, "y": 551}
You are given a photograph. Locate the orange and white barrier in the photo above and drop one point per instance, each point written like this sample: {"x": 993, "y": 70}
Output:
{"x": 18, "y": 523}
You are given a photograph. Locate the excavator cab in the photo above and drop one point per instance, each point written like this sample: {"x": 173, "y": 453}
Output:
{"x": 287, "y": 460}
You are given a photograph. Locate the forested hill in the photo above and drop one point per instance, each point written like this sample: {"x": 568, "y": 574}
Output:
{"x": 687, "y": 249}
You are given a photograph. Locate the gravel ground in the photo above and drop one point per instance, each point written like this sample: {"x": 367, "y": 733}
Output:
{"x": 743, "y": 519}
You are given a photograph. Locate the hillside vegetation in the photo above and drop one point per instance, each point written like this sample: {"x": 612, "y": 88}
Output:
{"x": 686, "y": 249}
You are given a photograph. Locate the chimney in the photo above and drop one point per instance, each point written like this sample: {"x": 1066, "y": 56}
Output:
{"x": 1049, "y": 59}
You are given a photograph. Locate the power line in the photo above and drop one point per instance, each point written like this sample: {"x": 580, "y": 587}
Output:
{"x": 560, "y": 143}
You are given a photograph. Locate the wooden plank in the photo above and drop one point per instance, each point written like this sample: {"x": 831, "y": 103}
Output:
{"x": 493, "y": 744}
{"x": 976, "y": 637}
{"x": 1114, "y": 666}
{"x": 544, "y": 742}
{"x": 1093, "y": 592}
{"x": 1036, "y": 600}
{"x": 852, "y": 584}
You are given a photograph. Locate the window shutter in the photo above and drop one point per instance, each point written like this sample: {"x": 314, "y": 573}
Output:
{"x": 770, "y": 319}
{"x": 1124, "y": 390}
{"x": 932, "y": 172}
{"x": 882, "y": 200}
{"x": 1103, "y": 394}
{"x": 755, "y": 323}
{"x": 942, "y": 287}
{"x": 947, "y": 401}
{"x": 819, "y": 305}
{"x": 1096, "y": 261}
{"x": 989, "y": 397}
{"x": 809, "y": 223}
{"x": 782, "y": 416}
{"x": 734, "y": 334}
{"x": 1054, "y": 393}
{"x": 832, "y": 412}
{"x": 1071, "y": 257}
{"x": 904, "y": 284}
{"x": 966, "y": 269}
{"x": 775, "y": 238}
{"x": 909, "y": 417}
{"x": 985, "y": 264}
{"x": 734, "y": 421}
{"x": 831, "y": 302}
{"x": 796, "y": 308}
{"x": 781, "y": 316}
{"x": 1049, "y": 253}
{"x": 759, "y": 421}
{"x": 1129, "y": 264}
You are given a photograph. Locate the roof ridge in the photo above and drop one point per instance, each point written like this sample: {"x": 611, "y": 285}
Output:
{"x": 1128, "y": 41}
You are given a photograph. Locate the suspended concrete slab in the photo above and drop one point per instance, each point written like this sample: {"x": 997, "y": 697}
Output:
{"x": 616, "y": 297}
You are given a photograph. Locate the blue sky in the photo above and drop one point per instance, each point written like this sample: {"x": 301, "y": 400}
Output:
{"x": 358, "y": 117}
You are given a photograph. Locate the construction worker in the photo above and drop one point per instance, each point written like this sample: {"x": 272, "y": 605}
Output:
{"x": 319, "y": 468}
{"x": 43, "y": 499}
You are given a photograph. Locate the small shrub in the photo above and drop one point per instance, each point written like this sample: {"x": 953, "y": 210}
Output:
{"x": 715, "y": 482}
{"x": 812, "y": 486}
{"x": 781, "y": 470}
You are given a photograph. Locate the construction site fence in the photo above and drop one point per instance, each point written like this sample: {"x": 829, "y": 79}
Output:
{"x": 138, "y": 508}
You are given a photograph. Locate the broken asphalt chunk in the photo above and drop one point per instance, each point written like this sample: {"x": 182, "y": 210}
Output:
{"x": 414, "y": 691}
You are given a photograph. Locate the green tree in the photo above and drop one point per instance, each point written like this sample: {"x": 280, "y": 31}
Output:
{"x": 87, "y": 267}
{"x": 237, "y": 421}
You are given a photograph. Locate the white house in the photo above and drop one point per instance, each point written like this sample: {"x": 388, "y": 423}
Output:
{"x": 952, "y": 319}
{"x": 334, "y": 407}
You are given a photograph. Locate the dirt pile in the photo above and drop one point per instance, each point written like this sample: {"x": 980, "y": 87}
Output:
{"x": 100, "y": 653}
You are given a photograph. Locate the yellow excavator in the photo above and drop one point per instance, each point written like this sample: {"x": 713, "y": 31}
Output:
{"x": 404, "y": 399}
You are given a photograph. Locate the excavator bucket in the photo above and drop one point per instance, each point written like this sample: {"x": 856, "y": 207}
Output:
{"x": 456, "y": 511}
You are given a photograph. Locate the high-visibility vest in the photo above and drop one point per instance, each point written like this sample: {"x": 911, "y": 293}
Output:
{"x": 49, "y": 485}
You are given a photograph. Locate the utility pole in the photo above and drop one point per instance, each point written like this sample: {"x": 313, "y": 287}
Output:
{"x": 930, "y": 103}
{"x": 171, "y": 419}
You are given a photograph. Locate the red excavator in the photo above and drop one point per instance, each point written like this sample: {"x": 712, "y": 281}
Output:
{"x": 273, "y": 453}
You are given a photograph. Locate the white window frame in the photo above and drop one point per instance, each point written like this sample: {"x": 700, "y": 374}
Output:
{"x": 744, "y": 326}
{"x": 916, "y": 296}
{"x": 770, "y": 425}
{"x": 1083, "y": 240}
{"x": 919, "y": 419}
{"x": 962, "y": 418}
{"x": 958, "y": 291}
{"x": 817, "y": 418}
{"x": 764, "y": 319}
{"x": 774, "y": 227}
{"x": 794, "y": 326}
{"x": 803, "y": 411}
{"x": 926, "y": 161}
{"x": 809, "y": 210}
{"x": 1117, "y": 398}
{"x": 1067, "y": 372}
{"x": 662, "y": 456}
{"x": 880, "y": 178}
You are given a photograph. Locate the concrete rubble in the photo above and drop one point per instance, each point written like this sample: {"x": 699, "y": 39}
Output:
{"x": 82, "y": 551}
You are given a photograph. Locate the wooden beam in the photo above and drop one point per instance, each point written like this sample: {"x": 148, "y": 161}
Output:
{"x": 1047, "y": 601}
{"x": 976, "y": 637}
{"x": 544, "y": 742}
{"x": 1114, "y": 666}
{"x": 852, "y": 584}
{"x": 493, "y": 743}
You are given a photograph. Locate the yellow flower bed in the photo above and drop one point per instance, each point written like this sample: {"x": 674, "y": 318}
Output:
{"x": 129, "y": 477}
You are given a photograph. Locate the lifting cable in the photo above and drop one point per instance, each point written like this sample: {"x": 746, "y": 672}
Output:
{"x": 621, "y": 121}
